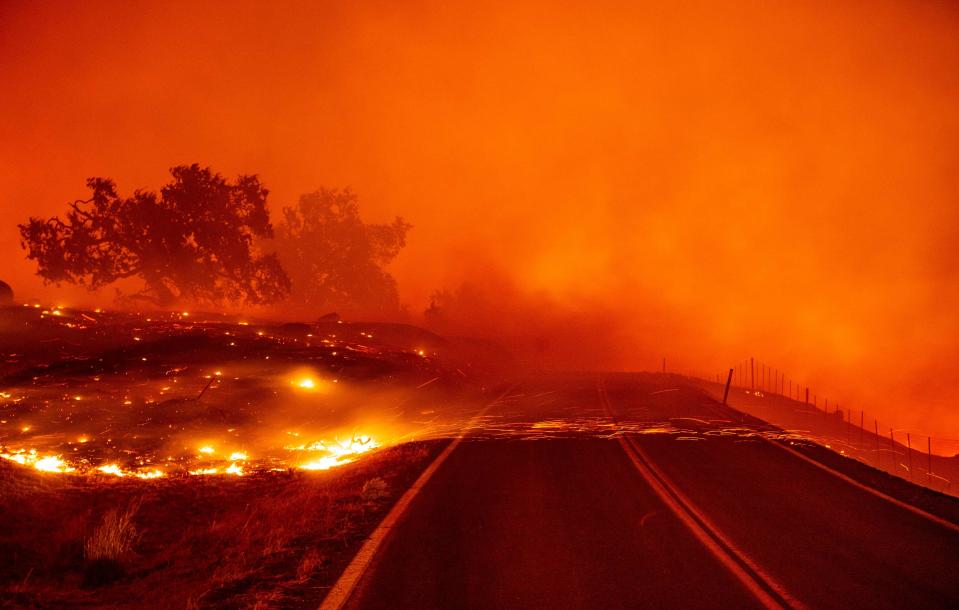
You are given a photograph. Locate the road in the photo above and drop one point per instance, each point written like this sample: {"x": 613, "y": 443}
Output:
{"x": 543, "y": 506}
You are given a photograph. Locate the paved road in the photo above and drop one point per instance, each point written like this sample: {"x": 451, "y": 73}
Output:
{"x": 542, "y": 509}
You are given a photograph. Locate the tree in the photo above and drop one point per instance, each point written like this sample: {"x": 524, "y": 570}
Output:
{"x": 194, "y": 241}
{"x": 336, "y": 261}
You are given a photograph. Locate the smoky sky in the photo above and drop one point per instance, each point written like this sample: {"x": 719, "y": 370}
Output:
{"x": 627, "y": 180}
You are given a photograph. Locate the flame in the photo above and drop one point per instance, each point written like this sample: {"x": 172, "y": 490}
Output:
{"x": 52, "y": 463}
{"x": 150, "y": 474}
{"x": 205, "y": 471}
{"x": 43, "y": 463}
{"x": 338, "y": 452}
{"x": 325, "y": 463}
{"x": 306, "y": 383}
{"x": 113, "y": 469}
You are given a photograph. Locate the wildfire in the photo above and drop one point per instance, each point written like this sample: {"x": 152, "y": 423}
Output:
{"x": 150, "y": 474}
{"x": 113, "y": 469}
{"x": 338, "y": 453}
{"x": 43, "y": 463}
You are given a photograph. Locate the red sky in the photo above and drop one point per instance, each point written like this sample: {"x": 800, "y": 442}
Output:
{"x": 708, "y": 182}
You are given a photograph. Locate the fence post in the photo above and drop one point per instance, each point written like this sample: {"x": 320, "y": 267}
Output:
{"x": 728, "y": 381}
{"x": 752, "y": 374}
{"x": 807, "y": 394}
{"x": 892, "y": 445}
{"x": 876, "y": 443}
{"x": 909, "y": 453}
{"x": 862, "y": 427}
{"x": 848, "y": 413}
{"x": 929, "y": 469}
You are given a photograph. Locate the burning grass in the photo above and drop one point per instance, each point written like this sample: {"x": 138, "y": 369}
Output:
{"x": 154, "y": 395}
{"x": 168, "y": 460}
{"x": 269, "y": 539}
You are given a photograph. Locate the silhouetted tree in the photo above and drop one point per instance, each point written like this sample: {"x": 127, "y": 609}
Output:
{"x": 194, "y": 241}
{"x": 335, "y": 260}
{"x": 6, "y": 293}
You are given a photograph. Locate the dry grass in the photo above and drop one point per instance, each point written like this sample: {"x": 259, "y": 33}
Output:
{"x": 375, "y": 489}
{"x": 114, "y": 538}
{"x": 267, "y": 540}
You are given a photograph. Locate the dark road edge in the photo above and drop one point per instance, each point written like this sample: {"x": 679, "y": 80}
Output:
{"x": 879, "y": 494}
{"x": 346, "y": 584}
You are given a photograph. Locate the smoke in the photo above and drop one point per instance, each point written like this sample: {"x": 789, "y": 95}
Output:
{"x": 601, "y": 186}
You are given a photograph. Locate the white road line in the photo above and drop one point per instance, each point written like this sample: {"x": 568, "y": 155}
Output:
{"x": 913, "y": 509}
{"x": 760, "y": 584}
{"x": 346, "y": 583}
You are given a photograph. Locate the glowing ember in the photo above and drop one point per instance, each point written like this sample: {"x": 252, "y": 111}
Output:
{"x": 306, "y": 383}
{"x": 150, "y": 474}
{"x": 337, "y": 453}
{"x": 113, "y": 469}
{"x": 19, "y": 458}
{"x": 52, "y": 463}
{"x": 325, "y": 463}
{"x": 238, "y": 456}
{"x": 207, "y": 450}
{"x": 205, "y": 471}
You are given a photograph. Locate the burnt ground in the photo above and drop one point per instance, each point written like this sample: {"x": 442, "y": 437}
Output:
{"x": 144, "y": 392}
{"x": 540, "y": 506}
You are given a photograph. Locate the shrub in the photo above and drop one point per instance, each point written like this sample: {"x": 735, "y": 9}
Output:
{"x": 375, "y": 489}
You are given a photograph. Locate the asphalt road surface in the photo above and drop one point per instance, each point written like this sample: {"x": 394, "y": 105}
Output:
{"x": 633, "y": 492}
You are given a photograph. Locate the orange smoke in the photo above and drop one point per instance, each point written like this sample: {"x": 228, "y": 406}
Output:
{"x": 622, "y": 182}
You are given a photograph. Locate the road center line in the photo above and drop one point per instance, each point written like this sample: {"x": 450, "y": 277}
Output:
{"x": 350, "y": 578}
{"x": 763, "y": 587}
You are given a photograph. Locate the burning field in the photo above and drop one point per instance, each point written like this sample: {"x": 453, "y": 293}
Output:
{"x": 143, "y": 447}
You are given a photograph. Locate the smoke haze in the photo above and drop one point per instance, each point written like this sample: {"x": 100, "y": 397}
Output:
{"x": 613, "y": 183}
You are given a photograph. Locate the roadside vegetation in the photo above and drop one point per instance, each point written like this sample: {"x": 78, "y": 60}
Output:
{"x": 272, "y": 539}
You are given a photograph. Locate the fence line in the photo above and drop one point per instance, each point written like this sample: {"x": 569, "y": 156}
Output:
{"x": 768, "y": 393}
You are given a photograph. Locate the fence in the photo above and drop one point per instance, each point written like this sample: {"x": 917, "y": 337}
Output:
{"x": 769, "y": 394}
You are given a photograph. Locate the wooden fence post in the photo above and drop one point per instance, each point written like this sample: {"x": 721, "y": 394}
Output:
{"x": 862, "y": 427}
{"x": 892, "y": 445}
{"x": 728, "y": 381}
{"x": 909, "y": 453}
{"x": 876, "y": 443}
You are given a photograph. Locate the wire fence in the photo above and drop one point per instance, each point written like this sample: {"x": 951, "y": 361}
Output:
{"x": 769, "y": 394}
